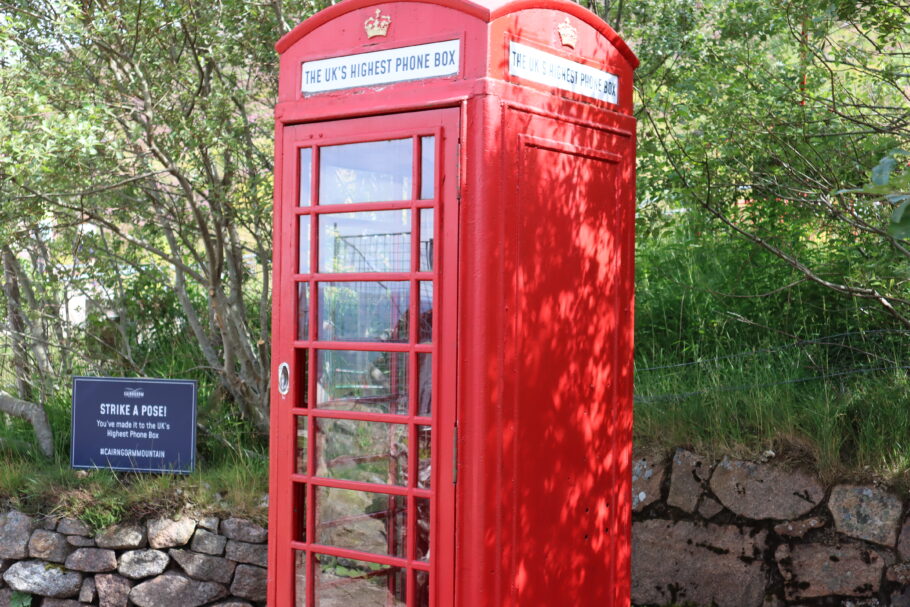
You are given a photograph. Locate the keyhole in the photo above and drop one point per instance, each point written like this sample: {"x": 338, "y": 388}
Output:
{"x": 284, "y": 378}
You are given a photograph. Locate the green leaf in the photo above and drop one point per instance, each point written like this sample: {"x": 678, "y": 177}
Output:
{"x": 882, "y": 171}
{"x": 900, "y": 221}
{"x": 20, "y": 599}
{"x": 901, "y": 182}
{"x": 876, "y": 190}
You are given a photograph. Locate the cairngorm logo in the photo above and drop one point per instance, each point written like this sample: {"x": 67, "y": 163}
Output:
{"x": 133, "y": 392}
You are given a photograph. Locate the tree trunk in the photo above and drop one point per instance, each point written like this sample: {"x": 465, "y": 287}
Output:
{"x": 35, "y": 415}
{"x": 17, "y": 327}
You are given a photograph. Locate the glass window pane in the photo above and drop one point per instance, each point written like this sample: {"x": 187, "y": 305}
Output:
{"x": 358, "y": 520}
{"x": 426, "y": 240}
{"x": 298, "y": 522}
{"x": 373, "y": 241}
{"x": 300, "y": 382}
{"x": 366, "y": 172}
{"x": 347, "y": 583}
{"x": 303, "y": 311}
{"x": 424, "y": 454}
{"x": 306, "y": 176}
{"x": 373, "y": 382}
{"x": 427, "y": 167}
{"x": 421, "y": 589}
{"x": 424, "y": 384}
{"x": 425, "y": 325}
{"x": 299, "y": 578}
{"x": 303, "y": 251}
{"x": 371, "y": 452}
{"x": 364, "y": 311}
{"x": 422, "y": 533}
{"x": 300, "y": 463}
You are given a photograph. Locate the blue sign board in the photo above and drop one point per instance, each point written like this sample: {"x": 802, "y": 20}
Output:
{"x": 139, "y": 425}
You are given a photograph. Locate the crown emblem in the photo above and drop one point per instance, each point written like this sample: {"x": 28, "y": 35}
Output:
{"x": 377, "y": 25}
{"x": 567, "y": 34}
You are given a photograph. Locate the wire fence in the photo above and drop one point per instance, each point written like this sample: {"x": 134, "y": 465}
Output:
{"x": 828, "y": 341}
{"x": 7, "y": 375}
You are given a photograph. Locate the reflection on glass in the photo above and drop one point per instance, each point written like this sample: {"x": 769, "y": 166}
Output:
{"x": 365, "y": 172}
{"x": 364, "y": 311}
{"x": 348, "y": 583}
{"x": 371, "y": 452}
{"x": 303, "y": 310}
{"x": 372, "y": 241}
{"x": 373, "y": 382}
{"x": 424, "y": 384}
{"x": 422, "y": 533}
{"x": 427, "y": 167}
{"x": 301, "y": 448}
{"x": 357, "y": 520}
{"x": 301, "y": 382}
{"x": 424, "y": 453}
{"x": 298, "y": 522}
{"x": 426, "y": 240}
{"x": 303, "y": 266}
{"x": 421, "y": 589}
{"x": 299, "y": 578}
{"x": 425, "y": 324}
{"x": 306, "y": 176}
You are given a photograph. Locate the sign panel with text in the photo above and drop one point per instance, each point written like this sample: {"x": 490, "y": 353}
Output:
{"x": 433, "y": 60}
{"x": 139, "y": 425}
{"x": 548, "y": 69}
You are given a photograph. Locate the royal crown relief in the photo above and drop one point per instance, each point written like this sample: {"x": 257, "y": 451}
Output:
{"x": 568, "y": 34}
{"x": 377, "y": 25}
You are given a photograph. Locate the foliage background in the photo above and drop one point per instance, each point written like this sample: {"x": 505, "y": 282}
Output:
{"x": 772, "y": 302}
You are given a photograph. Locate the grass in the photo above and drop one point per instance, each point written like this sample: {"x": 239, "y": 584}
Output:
{"x": 227, "y": 481}
{"x": 846, "y": 423}
{"x": 103, "y": 497}
{"x": 729, "y": 362}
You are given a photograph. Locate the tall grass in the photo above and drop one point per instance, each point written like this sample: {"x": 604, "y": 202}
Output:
{"x": 729, "y": 361}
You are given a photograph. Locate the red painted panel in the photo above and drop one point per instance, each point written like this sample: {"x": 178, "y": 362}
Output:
{"x": 545, "y": 366}
{"x": 485, "y": 10}
{"x": 538, "y": 28}
{"x": 536, "y": 278}
{"x": 567, "y": 405}
{"x": 412, "y": 23}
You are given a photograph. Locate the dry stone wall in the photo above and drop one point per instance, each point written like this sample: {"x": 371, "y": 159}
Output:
{"x": 734, "y": 533}
{"x": 163, "y": 563}
{"x": 726, "y": 533}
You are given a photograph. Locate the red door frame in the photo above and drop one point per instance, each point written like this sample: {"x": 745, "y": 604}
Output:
{"x": 288, "y": 535}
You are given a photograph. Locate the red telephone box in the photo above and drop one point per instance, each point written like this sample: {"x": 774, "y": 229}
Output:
{"x": 453, "y": 298}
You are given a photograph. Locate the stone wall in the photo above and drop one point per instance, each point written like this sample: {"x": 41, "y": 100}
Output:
{"x": 163, "y": 563}
{"x": 730, "y": 533}
{"x": 762, "y": 534}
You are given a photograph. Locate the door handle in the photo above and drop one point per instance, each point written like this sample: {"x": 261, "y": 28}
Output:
{"x": 284, "y": 379}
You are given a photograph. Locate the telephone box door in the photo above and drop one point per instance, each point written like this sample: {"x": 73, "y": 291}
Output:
{"x": 364, "y": 351}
